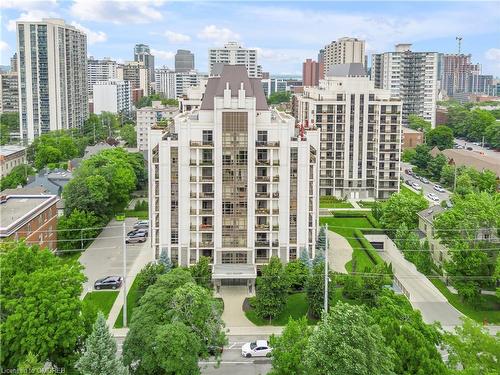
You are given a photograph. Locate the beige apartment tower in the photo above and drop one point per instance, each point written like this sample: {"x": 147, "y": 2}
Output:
{"x": 344, "y": 51}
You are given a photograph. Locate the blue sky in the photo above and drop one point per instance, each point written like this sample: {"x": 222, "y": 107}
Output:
{"x": 286, "y": 32}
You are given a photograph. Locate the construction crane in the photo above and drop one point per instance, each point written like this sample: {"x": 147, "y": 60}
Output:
{"x": 459, "y": 40}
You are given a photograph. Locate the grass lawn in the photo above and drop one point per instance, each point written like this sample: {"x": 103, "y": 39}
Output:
{"x": 70, "y": 256}
{"x": 335, "y": 205}
{"x": 345, "y": 227}
{"x": 366, "y": 204}
{"x": 296, "y": 307}
{"x": 488, "y": 310}
{"x": 101, "y": 300}
{"x": 408, "y": 191}
{"x": 131, "y": 304}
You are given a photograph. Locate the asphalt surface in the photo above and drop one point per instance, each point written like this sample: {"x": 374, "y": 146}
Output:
{"x": 428, "y": 188}
{"x": 466, "y": 144}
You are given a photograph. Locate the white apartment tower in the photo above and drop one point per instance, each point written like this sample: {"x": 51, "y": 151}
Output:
{"x": 230, "y": 181}
{"x": 360, "y": 133}
{"x": 165, "y": 82}
{"x": 148, "y": 117}
{"x": 137, "y": 73}
{"x": 412, "y": 76}
{"x": 52, "y": 65}
{"x": 234, "y": 54}
{"x": 100, "y": 70}
{"x": 343, "y": 51}
{"x": 113, "y": 96}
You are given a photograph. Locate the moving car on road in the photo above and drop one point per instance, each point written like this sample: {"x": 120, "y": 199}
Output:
{"x": 433, "y": 197}
{"x": 109, "y": 282}
{"x": 439, "y": 188}
{"x": 259, "y": 348}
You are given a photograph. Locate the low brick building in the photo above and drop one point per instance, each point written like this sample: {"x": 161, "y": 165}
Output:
{"x": 412, "y": 138}
{"x": 29, "y": 217}
{"x": 10, "y": 157}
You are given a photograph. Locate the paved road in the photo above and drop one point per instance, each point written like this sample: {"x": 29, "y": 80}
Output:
{"x": 340, "y": 252}
{"x": 491, "y": 153}
{"x": 428, "y": 188}
{"x": 105, "y": 256}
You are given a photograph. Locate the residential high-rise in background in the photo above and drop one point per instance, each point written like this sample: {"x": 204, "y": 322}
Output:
{"x": 457, "y": 73}
{"x": 142, "y": 53}
{"x": 137, "y": 73}
{"x": 185, "y": 80}
{"x": 148, "y": 117}
{"x": 272, "y": 85}
{"x": 165, "y": 82}
{"x": 52, "y": 65}
{"x": 100, "y": 70}
{"x": 312, "y": 72}
{"x": 113, "y": 96}
{"x": 233, "y": 53}
{"x": 184, "y": 61}
{"x": 412, "y": 76}
{"x": 321, "y": 57}
{"x": 360, "y": 133}
{"x": 13, "y": 63}
{"x": 9, "y": 92}
{"x": 231, "y": 181}
{"x": 343, "y": 51}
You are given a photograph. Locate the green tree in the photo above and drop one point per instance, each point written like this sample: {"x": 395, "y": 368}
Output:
{"x": 448, "y": 175}
{"x": 418, "y": 123}
{"x": 41, "y": 306}
{"x": 487, "y": 182}
{"x": 315, "y": 289}
{"x": 436, "y": 165}
{"x": 31, "y": 365}
{"x": 408, "y": 155}
{"x": 480, "y": 120}
{"x": 422, "y": 157}
{"x": 129, "y": 135}
{"x": 289, "y": 347}
{"x": 347, "y": 341}
{"x": 296, "y": 273}
{"x": 90, "y": 193}
{"x": 401, "y": 235}
{"x": 46, "y": 155}
{"x": 464, "y": 184}
{"x": 176, "y": 349}
{"x": 165, "y": 260}
{"x": 271, "y": 289}
{"x": 9, "y": 123}
{"x": 458, "y": 119}
{"x": 440, "y": 137}
{"x": 99, "y": 356}
{"x": 473, "y": 350}
{"x": 279, "y": 97}
{"x": 492, "y": 135}
{"x": 321, "y": 242}
{"x": 78, "y": 229}
{"x": 377, "y": 210}
{"x": 17, "y": 176}
{"x": 148, "y": 276}
{"x": 202, "y": 272}
{"x": 402, "y": 208}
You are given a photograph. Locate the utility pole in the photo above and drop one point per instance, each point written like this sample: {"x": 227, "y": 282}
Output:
{"x": 326, "y": 269}
{"x": 124, "y": 245}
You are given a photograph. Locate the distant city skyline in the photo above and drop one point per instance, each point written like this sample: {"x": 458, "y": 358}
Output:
{"x": 284, "y": 33}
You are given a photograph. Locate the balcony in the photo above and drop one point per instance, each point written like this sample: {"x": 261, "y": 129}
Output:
{"x": 262, "y": 178}
{"x": 201, "y": 144}
{"x": 207, "y": 178}
{"x": 276, "y": 243}
{"x": 261, "y": 227}
{"x": 267, "y": 144}
{"x": 261, "y": 260}
{"x": 262, "y": 195}
{"x": 276, "y": 228}
{"x": 206, "y": 162}
{"x": 206, "y": 227}
{"x": 276, "y": 195}
{"x": 192, "y": 194}
{"x": 262, "y": 162}
{"x": 276, "y": 211}
{"x": 192, "y": 178}
{"x": 276, "y": 162}
{"x": 276, "y": 178}
{"x": 261, "y": 243}
{"x": 207, "y": 211}
{"x": 206, "y": 244}
{"x": 262, "y": 211}
{"x": 207, "y": 194}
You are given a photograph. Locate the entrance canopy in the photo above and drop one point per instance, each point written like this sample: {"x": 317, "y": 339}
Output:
{"x": 234, "y": 271}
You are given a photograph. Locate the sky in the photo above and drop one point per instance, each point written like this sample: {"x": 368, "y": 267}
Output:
{"x": 285, "y": 32}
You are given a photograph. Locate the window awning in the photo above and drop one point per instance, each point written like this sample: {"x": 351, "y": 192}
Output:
{"x": 234, "y": 271}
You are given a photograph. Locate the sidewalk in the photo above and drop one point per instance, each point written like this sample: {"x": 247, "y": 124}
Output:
{"x": 340, "y": 252}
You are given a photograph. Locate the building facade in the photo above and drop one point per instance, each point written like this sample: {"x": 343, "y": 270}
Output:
{"x": 412, "y": 76}
{"x": 29, "y": 217}
{"x": 138, "y": 75}
{"x": 185, "y": 80}
{"x": 412, "y": 138}
{"x": 10, "y": 157}
{"x": 184, "y": 61}
{"x": 457, "y": 73}
{"x": 360, "y": 133}
{"x": 100, "y": 70}
{"x": 148, "y": 117}
{"x": 234, "y": 54}
{"x": 312, "y": 72}
{"x": 343, "y": 51}
{"x": 52, "y": 65}
{"x": 232, "y": 182}
{"x": 166, "y": 82}
{"x": 9, "y": 92}
{"x": 142, "y": 53}
{"x": 113, "y": 96}
{"x": 272, "y": 85}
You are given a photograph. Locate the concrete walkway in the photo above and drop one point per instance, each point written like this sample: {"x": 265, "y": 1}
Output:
{"x": 339, "y": 253}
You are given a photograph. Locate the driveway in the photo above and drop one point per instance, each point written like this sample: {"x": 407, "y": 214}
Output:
{"x": 104, "y": 257}
{"x": 339, "y": 253}
{"x": 423, "y": 295}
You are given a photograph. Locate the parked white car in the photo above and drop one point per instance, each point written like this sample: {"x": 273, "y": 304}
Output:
{"x": 416, "y": 186}
{"x": 259, "y": 348}
{"x": 439, "y": 188}
{"x": 433, "y": 197}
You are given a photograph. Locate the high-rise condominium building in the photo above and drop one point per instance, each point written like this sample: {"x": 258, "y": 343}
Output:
{"x": 343, "y": 51}
{"x": 360, "y": 133}
{"x": 234, "y": 54}
{"x": 13, "y": 63}
{"x": 272, "y": 85}
{"x": 136, "y": 73}
{"x": 52, "y": 65}
{"x": 9, "y": 92}
{"x": 113, "y": 96}
{"x": 184, "y": 60}
{"x": 100, "y": 70}
{"x": 143, "y": 54}
{"x": 148, "y": 117}
{"x": 165, "y": 82}
{"x": 230, "y": 181}
{"x": 312, "y": 72}
{"x": 185, "y": 80}
{"x": 412, "y": 76}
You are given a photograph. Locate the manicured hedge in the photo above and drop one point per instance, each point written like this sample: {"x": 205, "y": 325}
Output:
{"x": 367, "y": 247}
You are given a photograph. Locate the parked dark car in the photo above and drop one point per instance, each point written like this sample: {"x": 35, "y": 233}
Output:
{"x": 137, "y": 231}
{"x": 109, "y": 282}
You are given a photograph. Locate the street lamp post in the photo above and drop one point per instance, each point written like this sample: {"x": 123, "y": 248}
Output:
{"x": 124, "y": 245}
{"x": 326, "y": 270}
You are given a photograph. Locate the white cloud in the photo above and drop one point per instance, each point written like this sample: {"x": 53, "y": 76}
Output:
{"x": 493, "y": 54}
{"x": 92, "y": 36}
{"x": 4, "y": 47}
{"x": 118, "y": 12}
{"x": 27, "y": 4}
{"x": 162, "y": 55}
{"x": 174, "y": 37}
{"x": 31, "y": 15}
{"x": 219, "y": 35}
{"x": 492, "y": 65}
